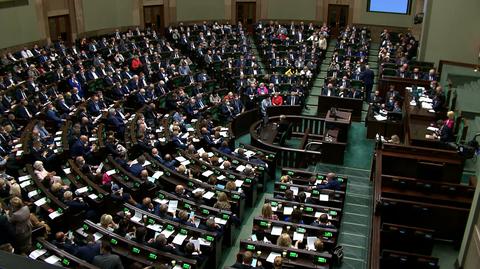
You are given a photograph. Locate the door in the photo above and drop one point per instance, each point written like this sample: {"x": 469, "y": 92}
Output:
{"x": 337, "y": 18}
{"x": 246, "y": 14}
{"x": 59, "y": 27}
{"x": 154, "y": 18}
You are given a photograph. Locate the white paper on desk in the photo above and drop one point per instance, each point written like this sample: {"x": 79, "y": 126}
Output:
{"x": 318, "y": 214}
{"x": 216, "y": 141}
{"x": 52, "y": 259}
{"x": 195, "y": 243}
{"x": 240, "y": 168}
{"x": 157, "y": 174}
{"x": 162, "y": 139}
{"x": 254, "y": 238}
{"x": 25, "y": 184}
{"x": 187, "y": 162}
{"x": 433, "y": 129}
{"x": 37, "y": 253}
{"x": 137, "y": 217}
{"x": 200, "y": 151}
{"x": 287, "y": 210}
{"x": 208, "y": 195}
{"x": 58, "y": 144}
{"x": 93, "y": 196}
{"x": 195, "y": 140}
{"x": 271, "y": 257}
{"x": 163, "y": 201}
{"x": 323, "y": 197}
{"x": 179, "y": 238}
{"x": 100, "y": 167}
{"x": 81, "y": 232}
{"x": 194, "y": 120}
{"x": 111, "y": 172}
{"x": 167, "y": 233}
{"x": 196, "y": 222}
{"x": 210, "y": 154}
{"x": 431, "y": 111}
{"x": 198, "y": 189}
{"x": 297, "y": 236}
{"x": 220, "y": 221}
{"x": 19, "y": 152}
{"x": 295, "y": 190}
{"x": 180, "y": 159}
{"x": 32, "y": 193}
{"x": 427, "y": 106}
{"x": 224, "y": 134}
{"x": 67, "y": 170}
{"x": 151, "y": 179}
{"x": 58, "y": 133}
{"x": 81, "y": 190}
{"x": 238, "y": 183}
{"x": 249, "y": 153}
{"x": 190, "y": 129}
{"x": 54, "y": 214}
{"x": 92, "y": 139}
{"x": 307, "y": 194}
{"x": 224, "y": 129}
{"x": 184, "y": 136}
{"x": 41, "y": 201}
{"x": 18, "y": 146}
{"x": 58, "y": 138}
{"x": 97, "y": 236}
{"x": 23, "y": 178}
{"x": 380, "y": 117}
{"x": 311, "y": 242}
{"x": 221, "y": 177}
{"x": 156, "y": 227}
{"x": 274, "y": 208}
{"x": 207, "y": 173}
{"x": 172, "y": 206}
{"x": 204, "y": 242}
{"x": 56, "y": 151}
{"x": 276, "y": 230}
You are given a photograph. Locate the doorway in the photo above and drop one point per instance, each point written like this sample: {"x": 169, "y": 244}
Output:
{"x": 337, "y": 18}
{"x": 154, "y": 18}
{"x": 246, "y": 12}
{"x": 59, "y": 27}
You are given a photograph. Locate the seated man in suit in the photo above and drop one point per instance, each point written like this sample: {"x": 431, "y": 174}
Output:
{"x": 136, "y": 168}
{"x": 331, "y": 183}
{"x": 81, "y": 147}
{"x": 115, "y": 122}
{"x": 329, "y": 90}
{"x": 52, "y": 115}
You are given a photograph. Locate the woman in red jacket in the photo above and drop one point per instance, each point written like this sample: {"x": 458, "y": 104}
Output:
{"x": 277, "y": 99}
{"x": 136, "y": 64}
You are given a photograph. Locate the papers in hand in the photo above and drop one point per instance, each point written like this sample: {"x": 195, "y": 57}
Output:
{"x": 271, "y": 257}
{"x": 172, "y": 206}
{"x": 311, "y": 242}
{"x": 276, "y": 230}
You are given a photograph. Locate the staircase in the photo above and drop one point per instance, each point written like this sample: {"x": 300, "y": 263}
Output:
{"x": 355, "y": 227}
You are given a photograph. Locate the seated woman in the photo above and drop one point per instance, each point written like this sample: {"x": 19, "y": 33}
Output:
{"x": 296, "y": 216}
{"x": 267, "y": 212}
{"x": 43, "y": 174}
{"x": 222, "y": 202}
{"x": 106, "y": 221}
{"x": 284, "y": 240}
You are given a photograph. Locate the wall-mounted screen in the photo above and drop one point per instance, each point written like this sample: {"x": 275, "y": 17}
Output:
{"x": 389, "y": 6}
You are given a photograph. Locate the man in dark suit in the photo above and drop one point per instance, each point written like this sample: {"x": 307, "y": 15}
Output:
{"x": 367, "y": 76}
{"x": 106, "y": 259}
{"x": 115, "y": 122}
{"x": 137, "y": 167}
{"x": 88, "y": 251}
{"x": 331, "y": 184}
{"x": 81, "y": 147}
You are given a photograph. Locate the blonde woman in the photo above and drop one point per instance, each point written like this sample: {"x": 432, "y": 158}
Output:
{"x": 222, "y": 201}
{"x": 106, "y": 221}
{"x": 284, "y": 240}
{"x": 267, "y": 212}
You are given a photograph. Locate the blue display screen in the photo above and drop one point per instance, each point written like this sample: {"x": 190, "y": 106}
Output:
{"x": 389, "y": 6}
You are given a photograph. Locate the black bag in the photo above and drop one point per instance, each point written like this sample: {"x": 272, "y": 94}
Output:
{"x": 337, "y": 255}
